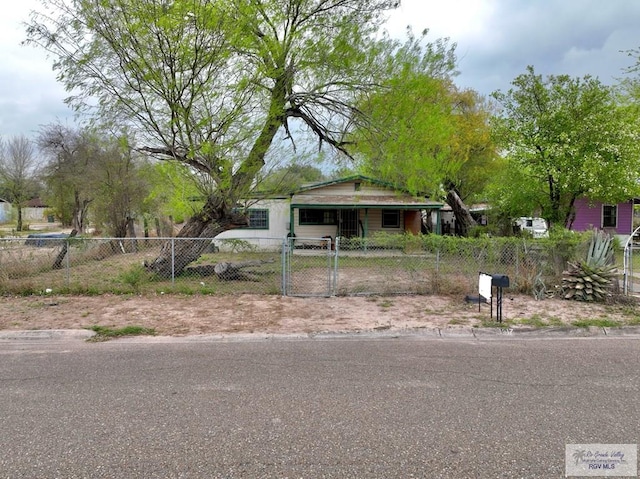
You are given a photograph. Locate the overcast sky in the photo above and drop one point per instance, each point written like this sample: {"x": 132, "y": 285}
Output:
{"x": 496, "y": 40}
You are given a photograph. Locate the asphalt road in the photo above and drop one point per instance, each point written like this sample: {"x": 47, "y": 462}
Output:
{"x": 340, "y": 408}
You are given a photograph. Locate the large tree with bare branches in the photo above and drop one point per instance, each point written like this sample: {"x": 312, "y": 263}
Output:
{"x": 210, "y": 83}
{"x": 18, "y": 164}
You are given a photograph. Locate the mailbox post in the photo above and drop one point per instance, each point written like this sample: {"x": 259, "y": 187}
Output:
{"x": 486, "y": 283}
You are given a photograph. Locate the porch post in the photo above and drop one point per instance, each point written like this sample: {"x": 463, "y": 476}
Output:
{"x": 365, "y": 232}
{"x": 291, "y": 228}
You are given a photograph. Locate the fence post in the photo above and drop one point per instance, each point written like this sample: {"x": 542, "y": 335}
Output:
{"x": 67, "y": 265}
{"x": 283, "y": 285}
{"x": 335, "y": 267}
{"x": 173, "y": 260}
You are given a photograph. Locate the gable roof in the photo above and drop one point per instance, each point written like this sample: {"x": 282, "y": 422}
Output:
{"x": 347, "y": 179}
{"x": 403, "y": 199}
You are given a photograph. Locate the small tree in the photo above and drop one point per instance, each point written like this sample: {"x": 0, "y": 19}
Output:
{"x": 120, "y": 188}
{"x": 425, "y": 133}
{"x": 564, "y": 138}
{"x": 18, "y": 173}
{"x": 72, "y": 155}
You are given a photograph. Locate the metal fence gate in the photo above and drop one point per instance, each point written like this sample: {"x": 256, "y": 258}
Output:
{"x": 629, "y": 279}
{"x": 309, "y": 267}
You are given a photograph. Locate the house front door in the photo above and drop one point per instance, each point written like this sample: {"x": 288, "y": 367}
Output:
{"x": 348, "y": 223}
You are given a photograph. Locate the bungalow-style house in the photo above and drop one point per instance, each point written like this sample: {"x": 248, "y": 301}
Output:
{"x": 616, "y": 219}
{"x": 355, "y": 206}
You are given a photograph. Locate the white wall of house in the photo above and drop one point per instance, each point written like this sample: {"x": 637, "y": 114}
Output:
{"x": 278, "y": 214}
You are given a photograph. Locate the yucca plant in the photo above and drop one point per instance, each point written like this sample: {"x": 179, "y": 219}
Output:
{"x": 591, "y": 279}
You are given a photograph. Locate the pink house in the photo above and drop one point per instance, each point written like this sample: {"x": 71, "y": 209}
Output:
{"x": 616, "y": 219}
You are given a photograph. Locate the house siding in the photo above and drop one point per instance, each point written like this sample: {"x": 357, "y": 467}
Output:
{"x": 278, "y": 221}
{"x": 349, "y": 188}
{"x": 589, "y": 215}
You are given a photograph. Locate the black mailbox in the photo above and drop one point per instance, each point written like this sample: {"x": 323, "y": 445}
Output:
{"x": 500, "y": 280}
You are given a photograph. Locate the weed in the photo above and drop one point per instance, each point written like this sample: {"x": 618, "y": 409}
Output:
{"x": 134, "y": 277}
{"x": 492, "y": 323}
{"x": 596, "y": 322}
{"x": 457, "y": 321}
{"x": 104, "y": 333}
{"x": 386, "y": 304}
{"x": 535, "y": 321}
{"x": 633, "y": 321}
{"x": 555, "y": 321}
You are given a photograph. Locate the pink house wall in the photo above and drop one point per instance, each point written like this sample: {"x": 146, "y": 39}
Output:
{"x": 589, "y": 215}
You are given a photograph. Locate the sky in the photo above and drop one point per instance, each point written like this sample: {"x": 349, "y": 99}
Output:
{"x": 496, "y": 40}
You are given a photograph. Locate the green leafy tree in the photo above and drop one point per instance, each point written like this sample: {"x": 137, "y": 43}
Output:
{"x": 173, "y": 193}
{"x": 288, "y": 179}
{"x": 425, "y": 133}
{"x": 18, "y": 165}
{"x": 209, "y": 83}
{"x": 120, "y": 187}
{"x": 68, "y": 174}
{"x": 564, "y": 138}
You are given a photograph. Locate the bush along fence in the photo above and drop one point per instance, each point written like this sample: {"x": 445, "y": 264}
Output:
{"x": 386, "y": 264}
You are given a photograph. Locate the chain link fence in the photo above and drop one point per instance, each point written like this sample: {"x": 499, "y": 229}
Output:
{"x": 299, "y": 267}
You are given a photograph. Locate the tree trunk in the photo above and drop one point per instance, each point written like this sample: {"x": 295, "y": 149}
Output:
{"x": 132, "y": 234}
{"x": 57, "y": 264}
{"x": 463, "y": 218}
{"x": 234, "y": 271}
{"x": 19, "y": 222}
{"x": 194, "y": 238}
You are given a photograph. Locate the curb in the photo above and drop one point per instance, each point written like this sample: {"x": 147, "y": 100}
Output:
{"x": 62, "y": 334}
{"x": 418, "y": 333}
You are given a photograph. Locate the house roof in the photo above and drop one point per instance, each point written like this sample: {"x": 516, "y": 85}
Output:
{"x": 36, "y": 203}
{"x": 355, "y": 201}
{"x": 347, "y": 179}
{"x": 304, "y": 197}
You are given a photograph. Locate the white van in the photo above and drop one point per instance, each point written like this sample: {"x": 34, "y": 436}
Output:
{"x": 536, "y": 226}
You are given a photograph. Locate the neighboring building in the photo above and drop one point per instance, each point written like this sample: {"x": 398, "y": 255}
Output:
{"x": 615, "y": 219}
{"x": 5, "y": 211}
{"x": 356, "y": 206}
{"x": 34, "y": 210}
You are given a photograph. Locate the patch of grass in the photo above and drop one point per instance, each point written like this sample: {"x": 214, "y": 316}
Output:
{"x": 536, "y": 321}
{"x": 492, "y": 323}
{"x": 633, "y": 321}
{"x": 597, "y": 322}
{"x": 134, "y": 277}
{"x": 386, "y": 304}
{"x": 457, "y": 321}
{"x": 104, "y": 333}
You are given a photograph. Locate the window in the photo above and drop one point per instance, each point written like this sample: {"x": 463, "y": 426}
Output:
{"x": 258, "y": 219}
{"x": 390, "y": 218}
{"x": 609, "y": 216}
{"x": 311, "y": 216}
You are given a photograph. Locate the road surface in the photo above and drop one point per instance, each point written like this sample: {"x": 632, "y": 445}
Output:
{"x": 331, "y": 408}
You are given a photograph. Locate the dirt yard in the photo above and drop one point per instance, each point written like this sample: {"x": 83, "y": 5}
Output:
{"x": 196, "y": 315}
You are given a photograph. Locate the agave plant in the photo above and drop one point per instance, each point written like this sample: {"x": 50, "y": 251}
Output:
{"x": 591, "y": 279}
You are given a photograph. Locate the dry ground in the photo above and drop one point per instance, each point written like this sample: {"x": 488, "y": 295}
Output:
{"x": 193, "y": 315}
